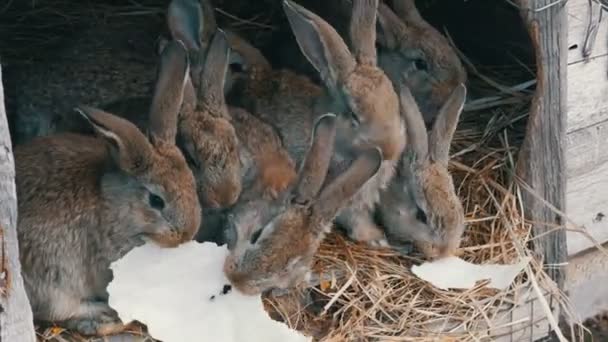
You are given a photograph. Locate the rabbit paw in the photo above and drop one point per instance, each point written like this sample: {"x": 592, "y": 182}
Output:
{"x": 96, "y": 318}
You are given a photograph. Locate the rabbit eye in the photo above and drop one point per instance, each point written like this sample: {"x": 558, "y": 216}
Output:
{"x": 421, "y": 64}
{"x": 236, "y": 67}
{"x": 421, "y": 216}
{"x": 156, "y": 202}
{"x": 256, "y": 236}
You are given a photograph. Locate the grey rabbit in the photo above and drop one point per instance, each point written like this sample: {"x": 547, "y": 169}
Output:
{"x": 421, "y": 204}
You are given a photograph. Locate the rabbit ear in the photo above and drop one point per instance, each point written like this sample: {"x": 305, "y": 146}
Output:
{"x": 129, "y": 147}
{"x": 209, "y": 24}
{"x": 211, "y": 91}
{"x": 363, "y": 30}
{"x": 169, "y": 92}
{"x": 316, "y": 163}
{"x": 445, "y": 125}
{"x": 390, "y": 27}
{"x": 346, "y": 185}
{"x": 407, "y": 11}
{"x": 417, "y": 137}
{"x": 320, "y": 43}
{"x": 244, "y": 53}
{"x": 185, "y": 21}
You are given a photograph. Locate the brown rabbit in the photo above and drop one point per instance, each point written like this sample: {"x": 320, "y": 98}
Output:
{"x": 276, "y": 240}
{"x": 413, "y": 53}
{"x": 421, "y": 203}
{"x": 355, "y": 87}
{"x": 266, "y": 169}
{"x": 86, "y": 201}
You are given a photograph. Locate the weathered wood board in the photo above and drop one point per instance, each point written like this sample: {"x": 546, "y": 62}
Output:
{"x": 578, "y": 18}
{"x": 587, "y": 127}
{"x": 587, "y": 273}
{"x": 587, "y": 93}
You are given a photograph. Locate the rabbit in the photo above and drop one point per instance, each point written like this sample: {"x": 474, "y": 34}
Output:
{"x": 266, "y": 169}
{"x": 276, "y": 240}
{"x": 85, "y": 201}
{"x": 356, "y": 88}
{"x": 421, "y": 204}
{"x": 99, "y": 65}
{"x": 414, "y": 54}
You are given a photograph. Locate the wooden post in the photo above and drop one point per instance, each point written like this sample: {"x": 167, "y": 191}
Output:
{"x": 16, "y": 322}
{"x": 541, "y": 162}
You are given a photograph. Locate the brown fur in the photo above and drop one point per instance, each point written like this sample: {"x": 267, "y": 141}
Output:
{"x": 276, "y": 169}
{"x": 85, "y": 201}
{"x": 373, "y": 96}
{"x": 408, "y": 37}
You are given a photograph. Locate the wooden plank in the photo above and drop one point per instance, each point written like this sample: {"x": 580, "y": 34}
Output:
{"x": 578, "y": 19}
{"x": 16, "y": 321}
{"x": 541, "y": 162}
{"x": 587, "y": 278}
{"x": 587, "y": 205}
{"x": 587, "y": 89}
{"x": 586, "y": 149}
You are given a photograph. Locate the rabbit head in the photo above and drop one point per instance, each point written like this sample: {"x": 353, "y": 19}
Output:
{"x": 206, "y": 134}
{"x": 421, "y": 204}
{"x": 415, "y": 53}
{"x": 353, "y": 79}
{"x": 157, "y": 173}
{"x": 276, "y": 241}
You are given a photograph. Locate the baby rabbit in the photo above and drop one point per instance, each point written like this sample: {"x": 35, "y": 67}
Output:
{"x": 266, "y": 169}
{"x": 413, "y": 53}
{"x": 355, "y": 87}
{"x": 421, "y": 203}
{"x": 86, "y": 201}
{"x": 276, "y": 240}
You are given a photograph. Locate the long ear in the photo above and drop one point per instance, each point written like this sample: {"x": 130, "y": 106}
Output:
{"x": 407, "y": 11}
{"x": 209, "y": 24}
{"x": 320, "y": 43}
{"x": 211, "y": 91}
{"x": 390, "y": 28}
{"x": 185, "y": 20}
{"x": 169, "y": 92}
{"x": 129, "y": 147}
{"x": 346, "y": 185}
{"x": 316, "y": 163}
{"x": 445, "y": 125}
{"x": 248, "y": 54}
{"x": 417, "y": 137}
{"x": 363, "y": 30}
